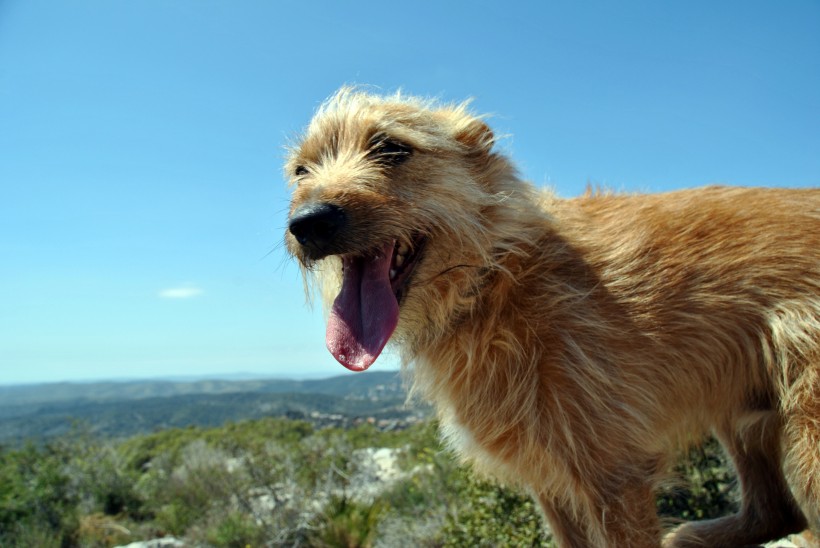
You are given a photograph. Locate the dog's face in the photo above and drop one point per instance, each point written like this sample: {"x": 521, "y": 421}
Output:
{"x": 386, "y": 204}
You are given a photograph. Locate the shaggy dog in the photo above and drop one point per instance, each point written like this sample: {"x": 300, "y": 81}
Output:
{"x": 572, "y": 346}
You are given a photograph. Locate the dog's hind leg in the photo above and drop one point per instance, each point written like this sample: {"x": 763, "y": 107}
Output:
{"x": 802, "y": 441}
{"x": 768, "y": 510}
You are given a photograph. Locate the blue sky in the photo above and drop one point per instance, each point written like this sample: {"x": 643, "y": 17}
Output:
{"x": 142, "y": 204}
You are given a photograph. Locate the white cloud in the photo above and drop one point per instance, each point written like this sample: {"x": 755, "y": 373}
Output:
{"x": 183, "y": 292}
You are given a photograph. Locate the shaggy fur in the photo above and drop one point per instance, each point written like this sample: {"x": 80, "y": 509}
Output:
{"x": 574, "y": 346}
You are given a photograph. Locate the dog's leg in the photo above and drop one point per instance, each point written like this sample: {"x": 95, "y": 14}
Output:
{"x": 768, "y": 510}
{"x": 565, "y": 530}
{"x": 625, "y": 517}
{"x": 802, "y": 441}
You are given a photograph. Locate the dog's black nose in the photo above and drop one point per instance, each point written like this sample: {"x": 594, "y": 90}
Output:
{"x": 315, "y": 226}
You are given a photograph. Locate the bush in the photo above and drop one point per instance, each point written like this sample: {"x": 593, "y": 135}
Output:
{"x": 102, "y": 475}
{"x": 345, "y": 523}
{"x": 708, "y": 488}
{"x": 101, "y": 531}
{"x": 36, "y": 497}
{"x": 235, "y": 530}
{"x": 493, "y": 516}
{"x": 200, "y": 485}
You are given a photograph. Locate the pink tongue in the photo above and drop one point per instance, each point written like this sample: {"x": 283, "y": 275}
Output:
{"x": 365, "y": 312}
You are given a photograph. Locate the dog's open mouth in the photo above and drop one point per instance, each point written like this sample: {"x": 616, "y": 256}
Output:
{"x": 366, "y": 311}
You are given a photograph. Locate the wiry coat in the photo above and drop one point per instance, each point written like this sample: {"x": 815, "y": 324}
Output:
{"x": 573, "y": 346}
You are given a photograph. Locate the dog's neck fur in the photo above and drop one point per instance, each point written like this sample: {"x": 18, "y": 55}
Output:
{"x": 510, "y": 226}
{"x": 479, "y": 363}
{"x": 470, "y": 351}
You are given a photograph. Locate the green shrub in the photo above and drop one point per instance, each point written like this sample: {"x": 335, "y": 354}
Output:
{"x": 37, "y": 496}
{"x": 235, "y": 530}
{"x": 28, "y": 533}
{"x": 707, "y": 488}
{"x": 492, "y": 515}
{"x": 104, "y": 478}
{"x": 102, "y": 531}
{"x": 200, "y": 485}
{"x": 348, "y": 524}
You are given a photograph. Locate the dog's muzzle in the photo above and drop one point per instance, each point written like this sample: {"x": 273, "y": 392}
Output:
{"x": 316, "y": 227}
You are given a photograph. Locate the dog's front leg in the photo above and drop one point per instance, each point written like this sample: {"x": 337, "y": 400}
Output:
{"x": 626, "y": 518}
{"x": 565, "y": 530}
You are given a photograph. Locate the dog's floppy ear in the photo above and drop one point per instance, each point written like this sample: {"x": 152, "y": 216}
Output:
{"x": 470, "y": 131}
{"x": 476, "y": 135}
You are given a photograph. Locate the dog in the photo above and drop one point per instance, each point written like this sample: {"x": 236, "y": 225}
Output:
{"x": 570, "y": 346}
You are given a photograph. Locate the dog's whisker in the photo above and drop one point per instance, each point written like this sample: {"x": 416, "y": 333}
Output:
{"x": 450, "y": 269}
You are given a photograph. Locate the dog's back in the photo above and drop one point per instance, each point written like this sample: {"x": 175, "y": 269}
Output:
{"x": 722, "y": 284}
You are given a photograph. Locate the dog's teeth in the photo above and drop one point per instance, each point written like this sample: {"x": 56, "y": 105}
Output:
{"x": 398, "y": 260}
{"x": 392, "y": 273}
{"x": 404, "y": 249}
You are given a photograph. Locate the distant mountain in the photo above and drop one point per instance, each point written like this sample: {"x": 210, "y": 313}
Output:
{"x": 121, "y": 409}
{"x": 342, "y": 385}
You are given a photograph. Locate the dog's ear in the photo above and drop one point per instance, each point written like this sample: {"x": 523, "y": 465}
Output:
{"x": 468, "y": 130}
{"x": 476, "y": 135}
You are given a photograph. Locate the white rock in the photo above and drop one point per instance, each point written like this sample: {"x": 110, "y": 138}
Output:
{"x": 166, "y": 542}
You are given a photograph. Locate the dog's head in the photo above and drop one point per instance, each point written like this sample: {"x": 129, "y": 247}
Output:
{"x": 389, "y": 205}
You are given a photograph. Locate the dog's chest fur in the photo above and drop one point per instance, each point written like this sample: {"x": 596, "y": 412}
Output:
{"x": 462, "y": 440}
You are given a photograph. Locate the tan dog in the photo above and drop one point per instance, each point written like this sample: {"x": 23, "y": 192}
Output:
{"x": 571, "y": 346}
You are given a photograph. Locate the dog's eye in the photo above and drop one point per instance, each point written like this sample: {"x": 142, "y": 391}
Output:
{"x": 389, "y": 151}
{"x": 300, "y": 171}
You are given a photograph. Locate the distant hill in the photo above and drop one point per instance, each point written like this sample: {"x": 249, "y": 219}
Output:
{"x": 122, "y": 409}
{"x": 341, "y": 385}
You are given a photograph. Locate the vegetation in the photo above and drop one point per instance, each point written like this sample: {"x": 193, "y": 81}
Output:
{"x": 281, "y": 482}
{"x": 334, "y": 462}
